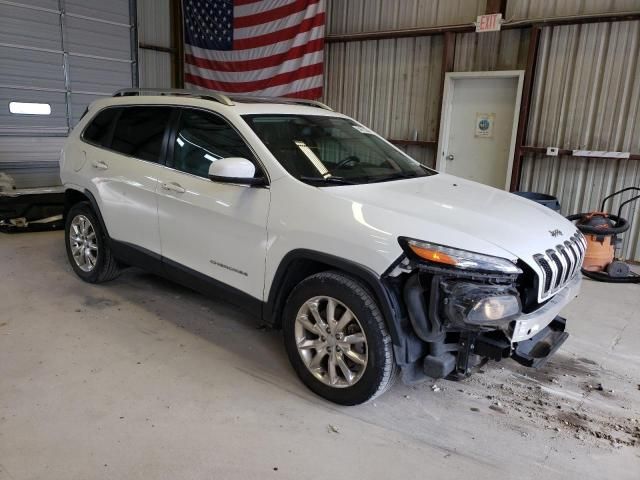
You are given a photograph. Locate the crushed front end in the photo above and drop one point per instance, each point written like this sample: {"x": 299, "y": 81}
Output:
{"x": 459, "y": 308}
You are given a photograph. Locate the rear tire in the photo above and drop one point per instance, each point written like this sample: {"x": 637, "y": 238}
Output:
{"x": 336, "y": 339}
{"x": 88, "y": 246}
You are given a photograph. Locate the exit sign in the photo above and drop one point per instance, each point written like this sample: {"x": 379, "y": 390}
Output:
{"x": 489, "y": 23}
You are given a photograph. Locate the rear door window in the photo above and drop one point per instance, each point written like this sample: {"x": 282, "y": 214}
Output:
{"x": 140, "y": 132}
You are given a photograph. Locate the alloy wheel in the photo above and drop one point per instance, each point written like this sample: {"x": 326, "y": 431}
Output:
{"x": 83, "y": 243}
{"x": 331, "y": 342}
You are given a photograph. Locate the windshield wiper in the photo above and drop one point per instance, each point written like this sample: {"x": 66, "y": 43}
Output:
{"x": 391, "y": 176}
{"x": 334, "y": 180}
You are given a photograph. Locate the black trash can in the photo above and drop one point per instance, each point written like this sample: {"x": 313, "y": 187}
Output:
{"x": 542, "y": 198}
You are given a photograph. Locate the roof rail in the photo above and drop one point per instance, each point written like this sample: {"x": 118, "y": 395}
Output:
{"x": 264, "y": 99}
{"x": 204, "y": 94}
{"x": 218, "y": 97}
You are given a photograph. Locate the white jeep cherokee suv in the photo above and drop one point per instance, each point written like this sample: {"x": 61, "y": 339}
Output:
{"x": 370, "y": 262}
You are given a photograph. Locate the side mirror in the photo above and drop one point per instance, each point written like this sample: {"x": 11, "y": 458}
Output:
{"x": 234, "y": 170}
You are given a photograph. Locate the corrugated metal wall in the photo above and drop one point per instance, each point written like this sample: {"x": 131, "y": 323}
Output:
{"x": 154, "y": 28}
{"x": 536, "y": 9}
{"x": 587, "y": 96}
{"x": 399, "y": 75}
{"x": 586, "y": 89}
{"x": 65, "y": 53}
{"x": 505, "y": 50}
{"x": 402, "y": 75}
{"x": 353, "y": 16}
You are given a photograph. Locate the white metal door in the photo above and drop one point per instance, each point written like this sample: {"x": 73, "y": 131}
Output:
{"x": 127, "y": 199}
{"x": 219, "y": 230}
{"x": 480, "y": 113}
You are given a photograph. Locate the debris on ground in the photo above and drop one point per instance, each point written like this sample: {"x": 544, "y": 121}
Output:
{"x": 332, "y": 429}
{"x": 580, "y": 407}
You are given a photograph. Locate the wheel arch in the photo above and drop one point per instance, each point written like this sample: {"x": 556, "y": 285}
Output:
{"x": 73, "y": 196}
{"x": 302, "y": 263}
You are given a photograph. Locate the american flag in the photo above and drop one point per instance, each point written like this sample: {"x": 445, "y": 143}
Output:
{"x": 256, "y": 47}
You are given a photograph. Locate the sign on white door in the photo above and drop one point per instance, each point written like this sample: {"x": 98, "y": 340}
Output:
{"x": 484, "y": 125}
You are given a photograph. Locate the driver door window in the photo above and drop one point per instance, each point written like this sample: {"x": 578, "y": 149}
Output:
{"x": 201, "y": 139}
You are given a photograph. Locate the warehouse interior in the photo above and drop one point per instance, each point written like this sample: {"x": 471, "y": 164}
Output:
{"x": 140, "y": 377}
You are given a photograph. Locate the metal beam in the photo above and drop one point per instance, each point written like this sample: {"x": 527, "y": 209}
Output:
{"x": 133, "y": 34}
{"x": 496, "y": 6}
{"x": 448, "y": 62}
{"x": 525, "y": 105}
{"x": 567, "y": 152}
{"x": 470, "y": 27}
{"x": 177, "y": 44}
{"x": 157, "y": 48}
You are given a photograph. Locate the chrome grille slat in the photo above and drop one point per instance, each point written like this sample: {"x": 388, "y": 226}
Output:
{"x": 559, "y": 265}
{"x": 574, "y": 257}
{"x": 579, "y": 253}
{"x": 568, "y": 264}
{"x": 554, "y": 268}
{"x": 546, "y": 277}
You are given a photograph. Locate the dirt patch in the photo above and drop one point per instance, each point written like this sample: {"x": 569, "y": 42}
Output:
{"x": 562, "y": 366}
{"x": 99, "y": 303}
{"x": 573, "y": 396}
{"x": 573, "y": 419}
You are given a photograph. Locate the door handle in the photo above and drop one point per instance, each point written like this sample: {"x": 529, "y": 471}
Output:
{"x": 173, "y": 187}
{"x": 99, "y": 164}
{"x": 450, "y": 157}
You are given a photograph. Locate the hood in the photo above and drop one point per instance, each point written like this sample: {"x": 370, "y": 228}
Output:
{"x": 451, "y": 211}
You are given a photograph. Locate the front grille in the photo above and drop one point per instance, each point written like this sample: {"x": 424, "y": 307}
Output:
{"x": 560, "y": 264}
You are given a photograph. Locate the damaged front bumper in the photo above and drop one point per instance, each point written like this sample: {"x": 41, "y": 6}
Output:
{"x": 453, "y": 344}
{"x": 528, "y": 325}
{"x": 532, "y": 352}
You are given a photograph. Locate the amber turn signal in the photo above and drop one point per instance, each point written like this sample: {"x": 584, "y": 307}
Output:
{"x": 432, "y": 255}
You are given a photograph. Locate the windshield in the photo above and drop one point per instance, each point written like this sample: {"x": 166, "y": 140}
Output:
{"x": 332, "y": 150}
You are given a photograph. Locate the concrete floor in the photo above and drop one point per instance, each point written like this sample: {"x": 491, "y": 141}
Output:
{"x": 140, "y": 378}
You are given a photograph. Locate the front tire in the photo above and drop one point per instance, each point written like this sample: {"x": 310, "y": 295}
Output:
{"x": 88, "y": 246}
{"x": 336, "y": 339}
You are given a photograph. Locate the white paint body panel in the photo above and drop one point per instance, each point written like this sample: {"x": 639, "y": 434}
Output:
{"x": 239, "y": 235}
{"x": 217, "y": 229}
{"x": 125, "y": 191}
{"x": 363, "y": 222}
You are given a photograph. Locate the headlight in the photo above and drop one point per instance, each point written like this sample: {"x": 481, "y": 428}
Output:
{"x": 480, "y": 305}
{"x": 458, "y": 258}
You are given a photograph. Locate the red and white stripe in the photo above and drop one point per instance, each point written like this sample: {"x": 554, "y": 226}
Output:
{"x": 278, "y": 48}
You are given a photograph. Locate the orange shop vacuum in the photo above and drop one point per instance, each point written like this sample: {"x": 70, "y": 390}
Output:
{"x": 602, "y": 231}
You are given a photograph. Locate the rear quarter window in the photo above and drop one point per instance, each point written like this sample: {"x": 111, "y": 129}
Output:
{"x": 99, "y": 129}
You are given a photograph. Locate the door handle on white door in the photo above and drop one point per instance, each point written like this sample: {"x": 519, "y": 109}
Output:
{"x": 450, "y": 156}
{"x": 173, "y": 187}
{"x": 99, "y": 164}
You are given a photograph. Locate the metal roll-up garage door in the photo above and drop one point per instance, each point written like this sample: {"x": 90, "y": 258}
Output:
{"x": 61, "y": 53}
